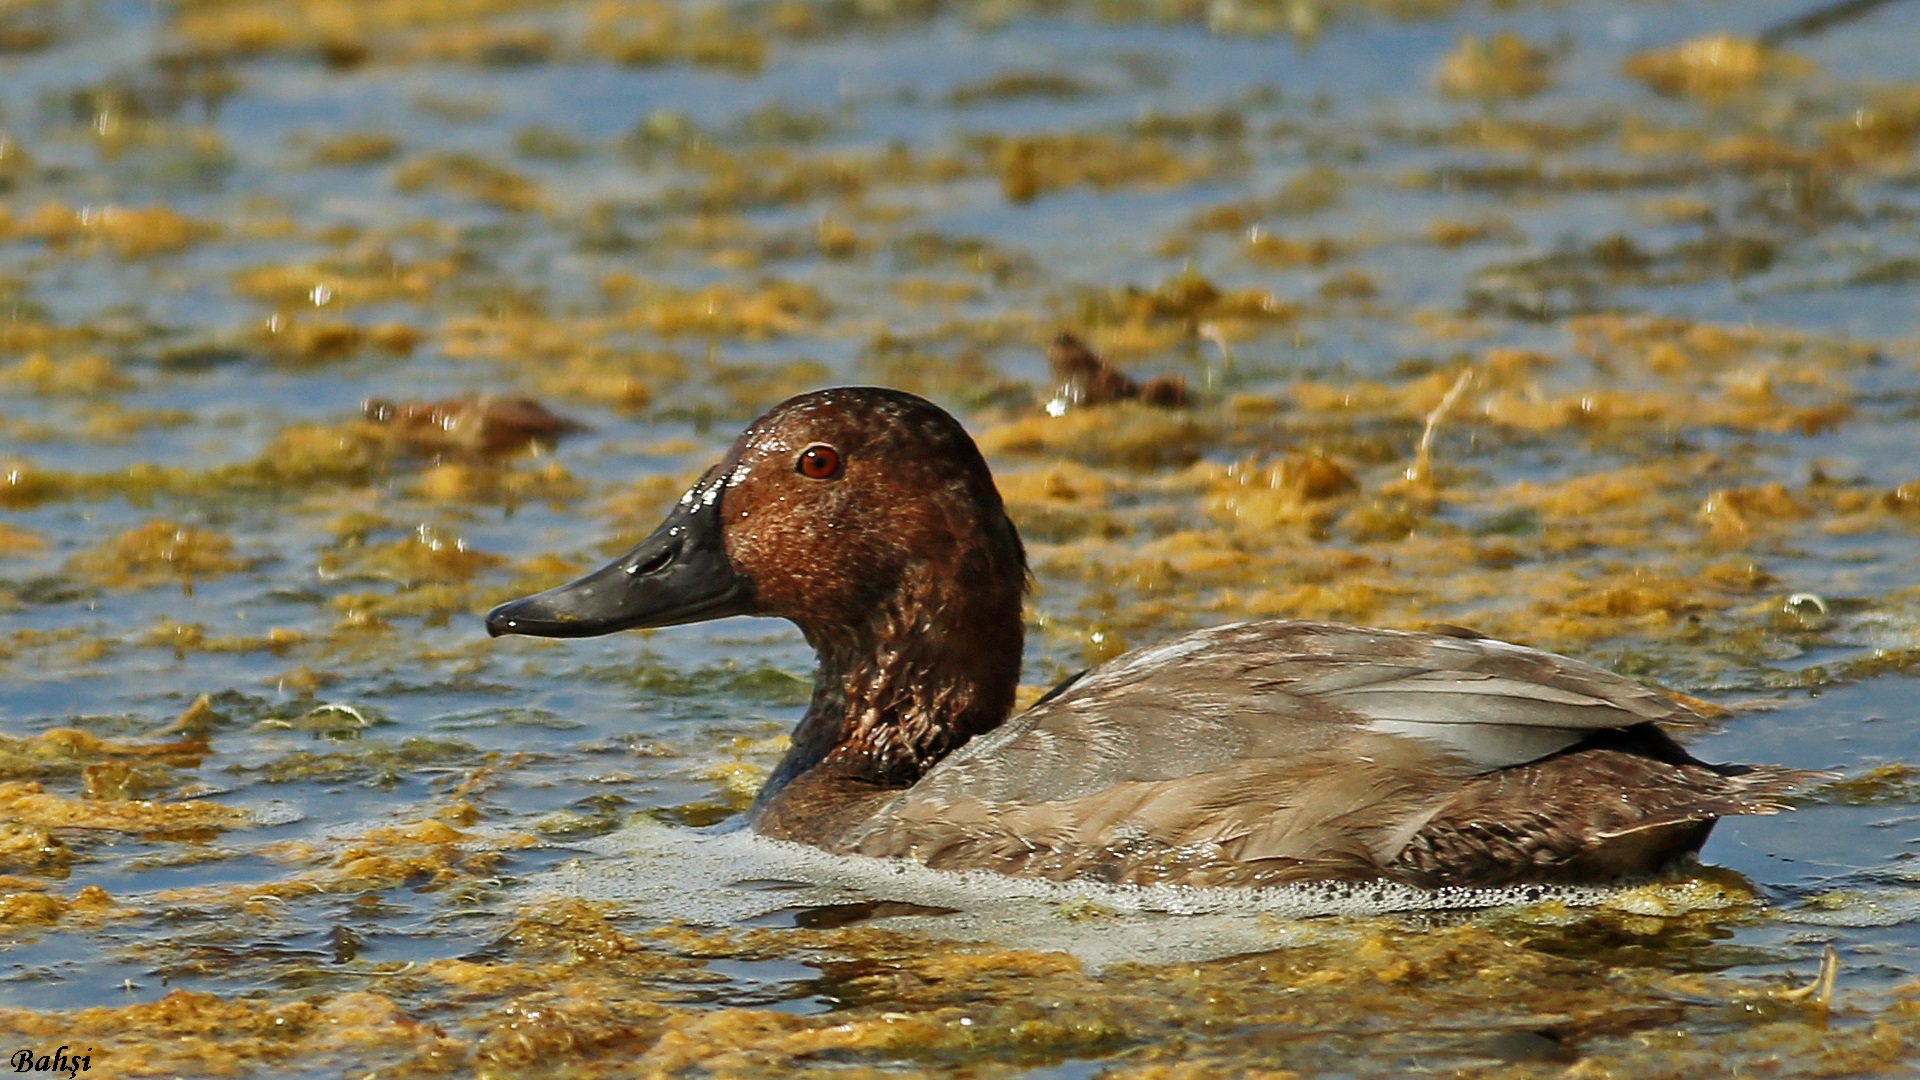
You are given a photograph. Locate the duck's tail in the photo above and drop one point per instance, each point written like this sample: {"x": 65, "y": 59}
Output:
{"x": 1590, "y": 815}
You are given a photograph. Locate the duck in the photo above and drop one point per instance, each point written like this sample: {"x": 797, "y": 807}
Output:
{"x": 1258, "y": 753}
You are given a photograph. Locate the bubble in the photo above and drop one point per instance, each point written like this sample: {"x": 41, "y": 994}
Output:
{"x": 275, "y": 812}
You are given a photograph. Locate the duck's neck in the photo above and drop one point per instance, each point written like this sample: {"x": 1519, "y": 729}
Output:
{"x": 904, "y": 688}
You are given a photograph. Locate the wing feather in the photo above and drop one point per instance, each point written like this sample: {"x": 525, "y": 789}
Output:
{"x": 1293, "y": 748}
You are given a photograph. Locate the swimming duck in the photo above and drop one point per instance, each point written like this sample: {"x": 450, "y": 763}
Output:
{"x": 1256, "y": 753}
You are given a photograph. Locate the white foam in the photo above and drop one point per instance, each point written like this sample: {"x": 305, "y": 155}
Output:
{"x": 722, "y": 878}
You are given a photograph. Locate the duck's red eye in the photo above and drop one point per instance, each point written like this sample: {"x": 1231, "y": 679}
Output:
{"x": 819, "y": 462}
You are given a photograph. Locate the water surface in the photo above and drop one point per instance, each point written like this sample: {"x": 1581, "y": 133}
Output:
{"x": 272, "y": 803}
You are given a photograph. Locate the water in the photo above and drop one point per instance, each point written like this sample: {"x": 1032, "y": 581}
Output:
{"x": 1690, "y": 319}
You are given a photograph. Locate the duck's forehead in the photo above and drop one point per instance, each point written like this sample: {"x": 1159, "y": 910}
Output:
{"x": 780, "y": 433}
{"x": 839, "y": 417}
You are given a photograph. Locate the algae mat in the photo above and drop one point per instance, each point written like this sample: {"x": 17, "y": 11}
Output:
{"x": 327, "y": 324}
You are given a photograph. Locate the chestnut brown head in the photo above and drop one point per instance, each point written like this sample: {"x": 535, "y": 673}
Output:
{"x": 825, "y": 511}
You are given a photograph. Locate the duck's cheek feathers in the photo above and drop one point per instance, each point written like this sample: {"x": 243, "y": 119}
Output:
{"x": 802, "y": 569}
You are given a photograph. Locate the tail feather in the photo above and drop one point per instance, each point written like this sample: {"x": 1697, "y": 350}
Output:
{"x": 1588, "y": 815}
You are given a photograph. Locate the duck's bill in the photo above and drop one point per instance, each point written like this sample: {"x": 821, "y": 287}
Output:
{"x": 680, "y": 574}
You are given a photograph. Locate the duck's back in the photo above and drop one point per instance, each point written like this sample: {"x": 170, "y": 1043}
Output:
{"x": 1268, "y": 752}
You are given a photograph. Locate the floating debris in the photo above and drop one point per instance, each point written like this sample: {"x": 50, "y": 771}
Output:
{"x": 475, "y": 424}
{"x": 1082, "y": 377}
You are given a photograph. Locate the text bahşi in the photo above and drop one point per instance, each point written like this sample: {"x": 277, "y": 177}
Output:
{"x": 59, "y": 1061}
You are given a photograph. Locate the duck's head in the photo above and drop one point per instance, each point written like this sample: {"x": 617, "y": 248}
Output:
{"x": 848, "y": 511}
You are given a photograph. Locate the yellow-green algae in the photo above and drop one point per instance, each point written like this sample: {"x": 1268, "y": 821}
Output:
{"x": 1599, "y": 475}
{"x": 573, "y": 993}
